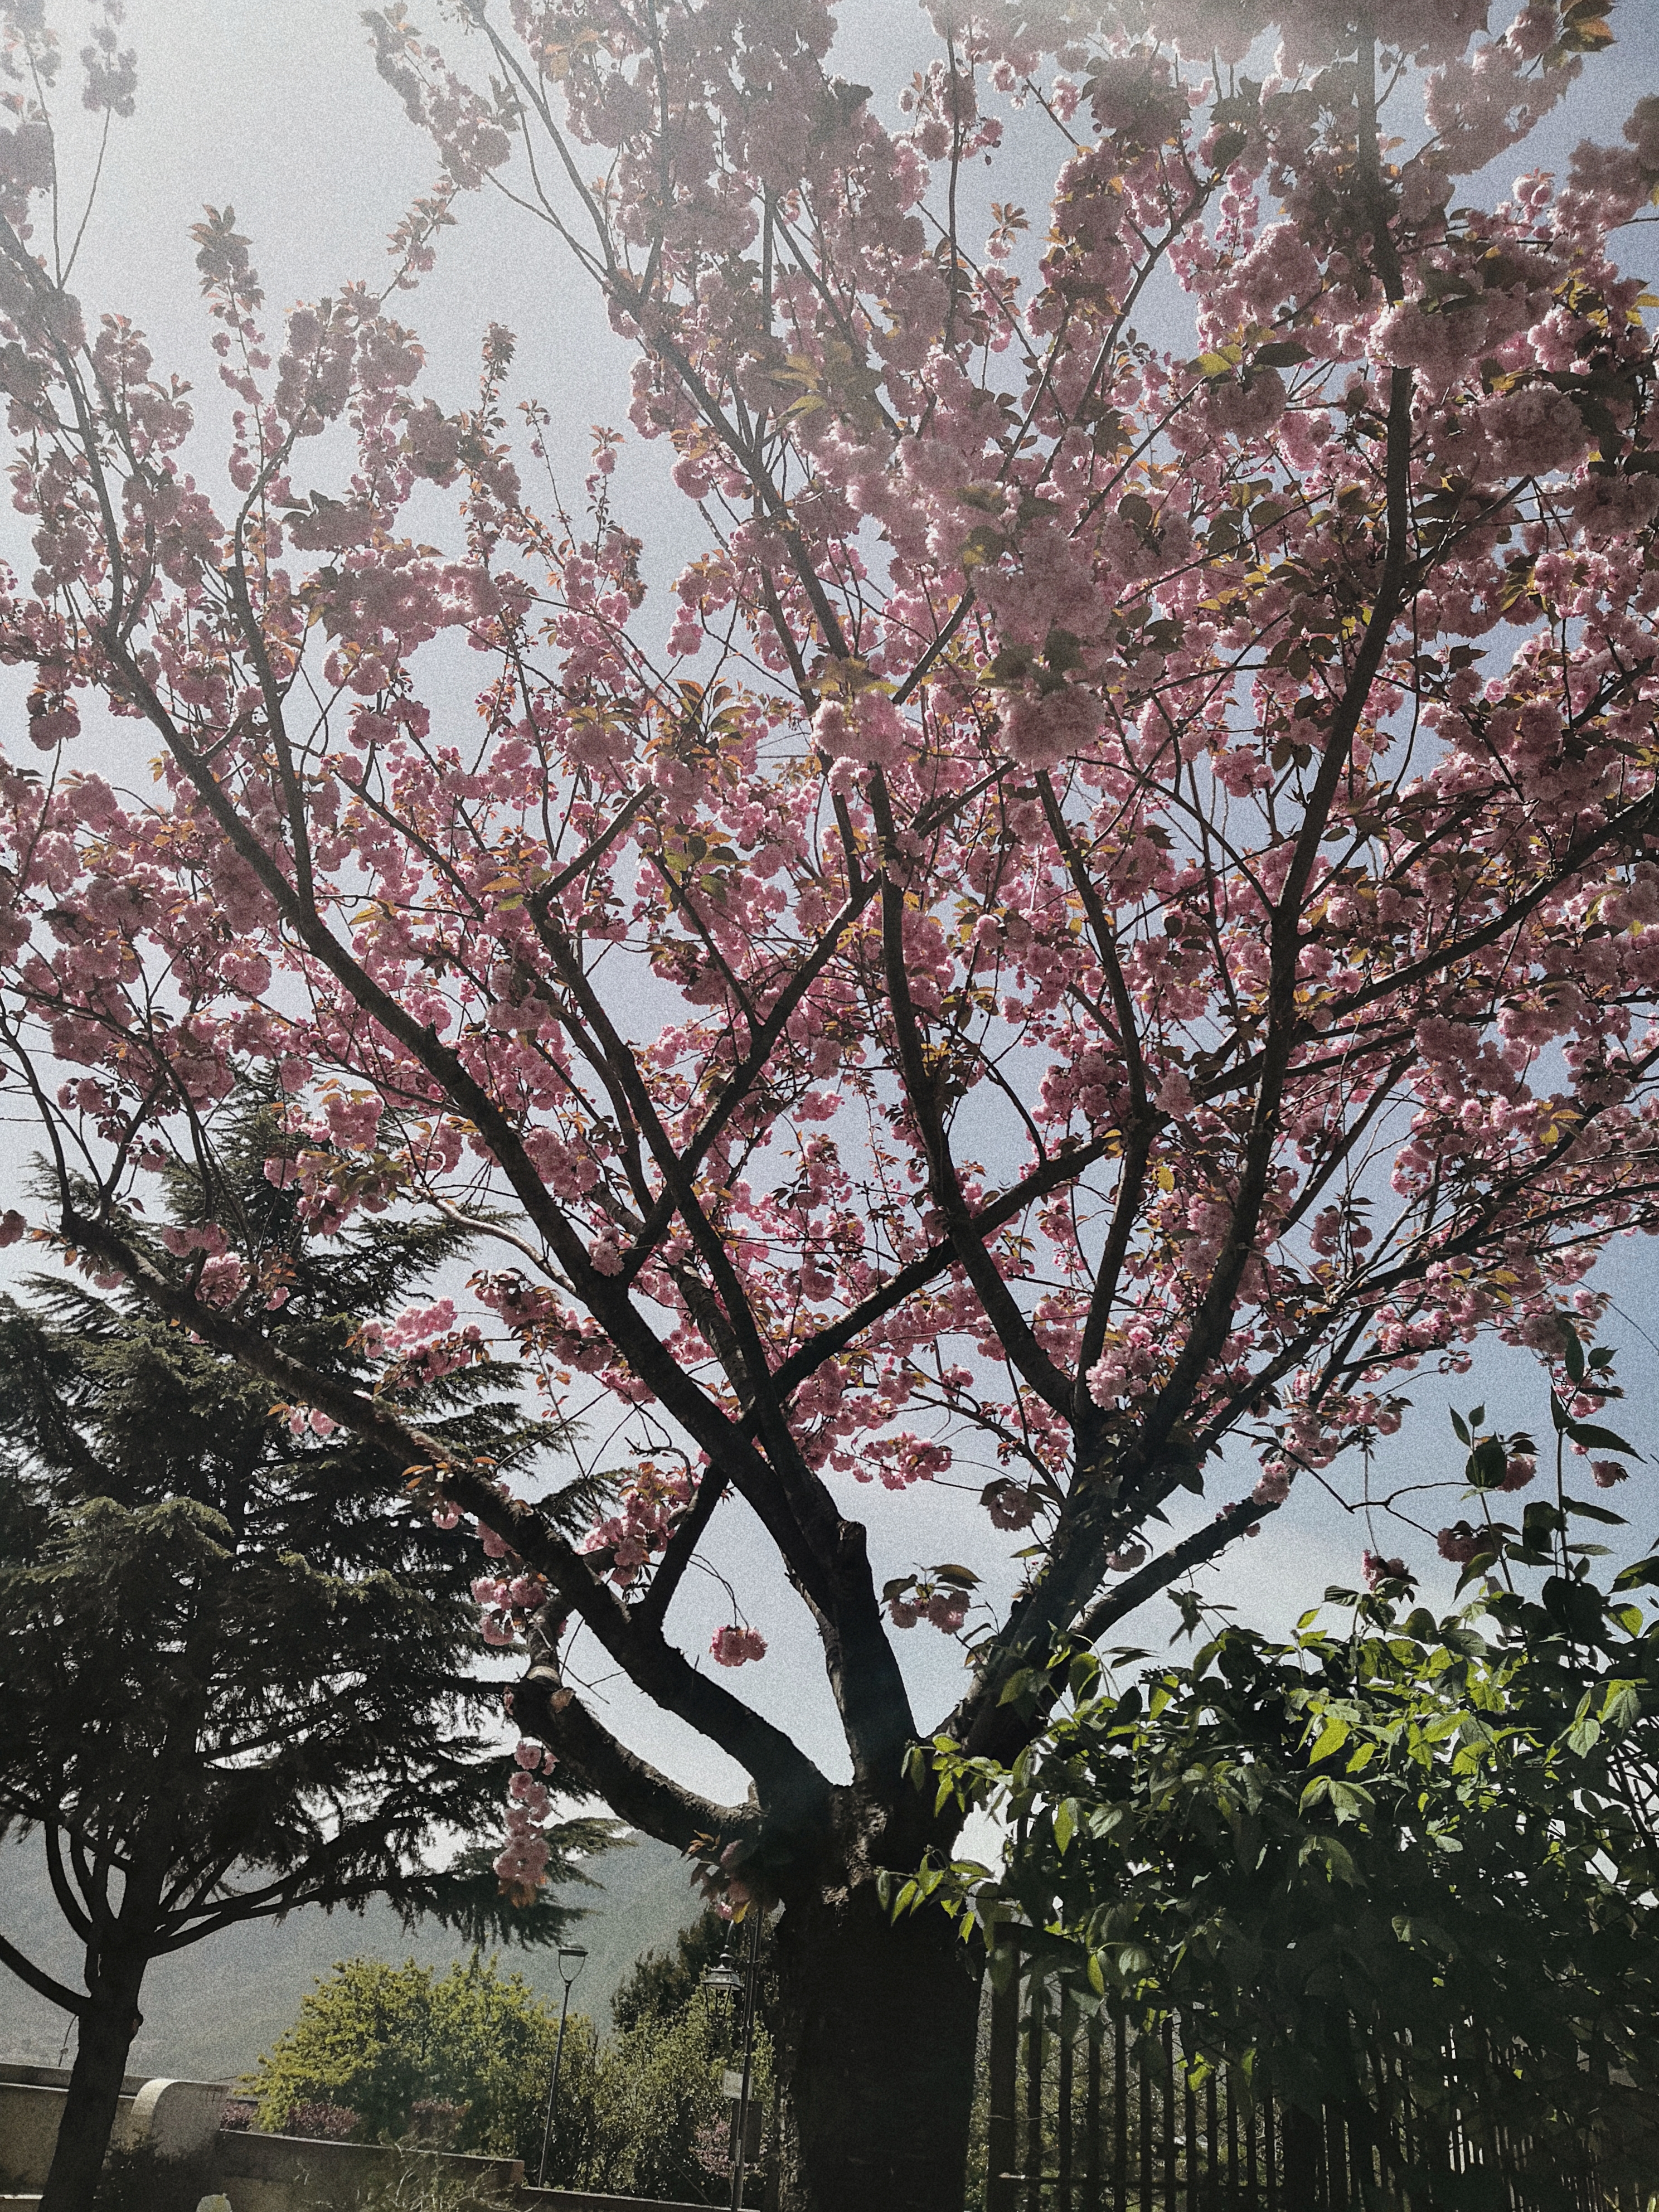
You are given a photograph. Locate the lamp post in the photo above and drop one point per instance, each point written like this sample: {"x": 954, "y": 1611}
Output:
{"x": 571, "y": 1959}
{"x": 725, "y": 1976}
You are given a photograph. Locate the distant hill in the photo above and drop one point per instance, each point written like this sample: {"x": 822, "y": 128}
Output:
{"x": 209, "y": 2011}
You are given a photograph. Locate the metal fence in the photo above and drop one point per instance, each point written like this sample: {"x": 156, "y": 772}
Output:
{"x": 1103, "y": 2118}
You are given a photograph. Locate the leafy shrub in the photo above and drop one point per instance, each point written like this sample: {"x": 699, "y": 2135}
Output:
{"x": 322, "y": 2123}
{"x": 138, "y": 2180}
{"x": 433, "y": 2121}
{"x": 658, "y": 2104}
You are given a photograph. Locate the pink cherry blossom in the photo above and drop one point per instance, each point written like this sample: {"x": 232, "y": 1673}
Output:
{"x": 735, "y": 1646}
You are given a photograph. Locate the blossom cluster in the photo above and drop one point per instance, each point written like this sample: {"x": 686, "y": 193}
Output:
{"x": 521, "y": 1864}
{"x": 632, "y": 1537}
{"x": 734, "y": 1646}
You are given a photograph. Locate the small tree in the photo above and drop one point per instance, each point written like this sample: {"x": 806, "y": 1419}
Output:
{"x": 239, "y": 1675}
{"x": 380, "y": 2040}
{"x": 661, "y": 2120}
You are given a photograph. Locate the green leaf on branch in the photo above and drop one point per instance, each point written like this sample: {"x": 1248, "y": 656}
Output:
{"x": 1586, "y": 1512}
{"x": 1596, "y": 1438}
{"x": 1282, "y": 353}
{"x": 1332, "y": 1736}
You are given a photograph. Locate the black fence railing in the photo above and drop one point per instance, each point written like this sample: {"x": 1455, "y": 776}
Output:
{"x": 1101, "y": 2116}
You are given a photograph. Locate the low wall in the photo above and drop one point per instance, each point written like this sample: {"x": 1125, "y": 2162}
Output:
{"x": 585, "y": 2200}
{"x": 293, "y": 2173}
{"x": 180, "y": 2118}
{"x": 57, "y": 2077}
{"x": 29, "y": 2115}
{"x": 257, "y": 2172}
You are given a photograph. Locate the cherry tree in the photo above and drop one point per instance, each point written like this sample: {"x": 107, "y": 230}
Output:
{"x": 1110, "y": 921}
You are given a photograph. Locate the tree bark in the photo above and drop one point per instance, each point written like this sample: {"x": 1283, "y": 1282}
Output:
{"x": 107, "y": 2027}
{"x": 877, "y": 2028}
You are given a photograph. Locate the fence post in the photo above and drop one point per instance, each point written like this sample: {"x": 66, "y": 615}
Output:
{"x": 1189, "y": 2113}
{"x": 1063, "y": 2130}
{"x": 1299, "y": 2181}
{"x": 1091, "y": 2123}
{"x": 1120, "y": 2111}
{"x": 1001, "y": 2134}
{"x": 1170, "y": 2153}
{"x": 1034, "y": 2043}
{"x": 1336, "y": 2166}
{"x": 1145, "y": 2046}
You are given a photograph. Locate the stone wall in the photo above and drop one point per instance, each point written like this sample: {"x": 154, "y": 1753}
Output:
{"x": 30, "y": 2106}
{"x": 256, "y": 2173}
{"x": 288, "y": 2173}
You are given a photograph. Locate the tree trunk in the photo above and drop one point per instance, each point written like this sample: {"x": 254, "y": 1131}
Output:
{"x": 877, "y": 2029}
{"x": 107, "y": 2027}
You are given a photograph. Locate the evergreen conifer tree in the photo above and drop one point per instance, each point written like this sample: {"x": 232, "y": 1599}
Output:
{"x": 237, "y": 1676}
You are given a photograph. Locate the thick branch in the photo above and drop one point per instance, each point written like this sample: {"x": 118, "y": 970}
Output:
{"x": 740, "y": 1084}
{"x": 1063, "y": 1167}
{"x": 41, "y": 1981}
{"x": 1132, "y": 1180}
{"x": 1132, "y": 1592}
{"x": 1094, "y": 1508}
{"x": 605, "y": 1297}
{"x": 62, "y": 1889}
{"x": 635, "y": 1789}
{"x": 681, "y": 1548}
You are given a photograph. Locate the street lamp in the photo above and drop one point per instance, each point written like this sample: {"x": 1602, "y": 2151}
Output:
{"x": 571, "y": 1959}
{"x": 725, "y": 1976}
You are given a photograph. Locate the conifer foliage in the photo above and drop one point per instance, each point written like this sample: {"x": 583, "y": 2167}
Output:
{"x": 241, "y": 1672}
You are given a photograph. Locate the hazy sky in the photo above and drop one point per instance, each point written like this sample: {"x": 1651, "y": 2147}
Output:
{"x": 273, "y": 106}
